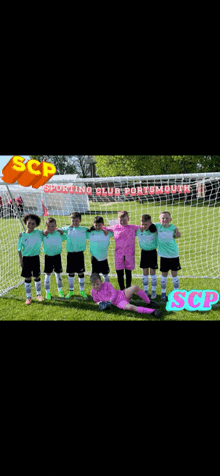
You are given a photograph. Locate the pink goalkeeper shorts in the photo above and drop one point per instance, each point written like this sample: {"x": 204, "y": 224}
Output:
{"x": 124, "y": 262}
{"x": 121, "y": 300}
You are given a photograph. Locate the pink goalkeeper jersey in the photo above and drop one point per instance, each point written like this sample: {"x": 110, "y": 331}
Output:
{"x": 108, "y": 293}
{"x": 124, "y": 245}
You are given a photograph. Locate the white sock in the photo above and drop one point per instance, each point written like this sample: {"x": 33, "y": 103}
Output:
{"x": 81, "y": 284}
{"x": 47, "y": 283}
{"x": 175, "y": 282}
{"x": 38, "y": 287}
{"x": 59, "y": 281}
{"x": 106, "y": 278}
{"x": 145, "y": 283}
{"x": 71, "y": 282}
{"x": 163, "y": 284}
{"x": 153, "y": 282}
{"x": 28, "y": 289}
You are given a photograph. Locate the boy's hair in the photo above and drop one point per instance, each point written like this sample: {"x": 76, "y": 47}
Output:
{"x": 146, "y": 217}
{"x": 32, "y": 216}
{"x": 94, "y": 277}
{"x": 50, "y": 220}
{"x": 98, "y": 219}
{"x": 166, "y": 212}
{"x": 123, "y": 213}
{"x": 76, "y": 215}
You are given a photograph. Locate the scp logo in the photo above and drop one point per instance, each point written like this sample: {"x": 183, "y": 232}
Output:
{"x": 192, "y": 300}
{"x": 33, "y": 173}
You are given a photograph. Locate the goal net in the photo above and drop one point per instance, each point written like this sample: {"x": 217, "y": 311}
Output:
{"x": 192, "y": 199}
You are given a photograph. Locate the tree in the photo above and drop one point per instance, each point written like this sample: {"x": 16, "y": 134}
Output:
{"x": 61, "y": 162}
{"x": 116, "y": 165}
{"x": 68, "y": 164}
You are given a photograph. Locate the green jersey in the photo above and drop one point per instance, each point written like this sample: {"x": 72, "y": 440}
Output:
{"x": 99, "y": 243}
{"x": 147, "y": 240}
{"x": 167, "y": 246}
{"x": 52, "y": 243}
{"x": 30, "y": 243}
{"x": 76, "y": 238}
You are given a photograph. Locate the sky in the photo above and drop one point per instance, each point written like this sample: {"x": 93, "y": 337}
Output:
{"x": 4, "y": 159}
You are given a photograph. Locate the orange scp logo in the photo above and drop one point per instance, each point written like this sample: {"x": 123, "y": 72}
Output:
{"x": 33, "y": 173}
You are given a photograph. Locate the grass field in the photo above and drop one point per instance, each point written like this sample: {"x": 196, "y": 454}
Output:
{"x": 199, "y": 249}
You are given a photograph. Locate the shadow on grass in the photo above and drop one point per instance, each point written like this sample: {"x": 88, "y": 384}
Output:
{"x": 85, "y": 305}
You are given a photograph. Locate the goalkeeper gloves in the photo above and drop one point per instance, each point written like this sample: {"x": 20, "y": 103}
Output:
{"x": 104, "y": 305}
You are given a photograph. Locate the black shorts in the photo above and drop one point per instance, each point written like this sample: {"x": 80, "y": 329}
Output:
{"x": 169, "y": 263}
{"x": 75, "y": 263}
{"x": 31, "y": 264}
{"x": 149, "y": 259}
{"x": 52, "y": 263}
{"x": 100, "y": 266}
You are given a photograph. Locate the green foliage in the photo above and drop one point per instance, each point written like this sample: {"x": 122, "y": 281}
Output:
{"x": 122, "y": 165}
{"x": 61, "y": 163}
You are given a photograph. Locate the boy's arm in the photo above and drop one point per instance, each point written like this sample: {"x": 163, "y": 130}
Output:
{"x": 152, "y": 228}
{"x": 20, "y": 257}
{"x": 60, "y": 231}
{"x": 108, "y": 228}
{"x": 177, "y": 233}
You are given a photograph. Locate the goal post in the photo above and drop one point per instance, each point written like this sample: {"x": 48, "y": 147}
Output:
{"x": 192, "y": 199}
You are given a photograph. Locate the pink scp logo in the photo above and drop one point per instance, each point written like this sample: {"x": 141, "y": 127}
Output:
{"x": 192, "y": 300}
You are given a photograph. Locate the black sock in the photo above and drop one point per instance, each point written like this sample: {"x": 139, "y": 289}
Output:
{"x": 120, "y": 273}
{"x": 128, "y": 278}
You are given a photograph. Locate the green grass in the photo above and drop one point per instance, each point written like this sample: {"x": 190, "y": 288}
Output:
{"x": 13, "y": 308}
{"x": 199, "y": 249}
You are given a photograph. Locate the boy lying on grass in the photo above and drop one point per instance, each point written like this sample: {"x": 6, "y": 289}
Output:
{"x": 104, "y": 295}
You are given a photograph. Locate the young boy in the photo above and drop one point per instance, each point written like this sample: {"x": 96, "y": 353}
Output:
{"x": 76, "y": 245}
{"x": 29, "y": 245}
{"x": 147, "y": 236}
{"x": 105, "y": 293}
{"x": 99, "y": 241}
{"x": 124, "y": 235}
{"x": 52, "y": 247}
{"x": 168, "y": 251}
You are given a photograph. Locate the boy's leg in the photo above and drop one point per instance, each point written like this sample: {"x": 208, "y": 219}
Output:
{"x": 120, "y": 274}
{"x": 47, "y": 279}
{"x": 175, "y": 279}
{"x": 128, "y": 278}
{"x": 37, "y": 283}
{"x": 82, "y": 285}
{"x": 27, "y": 285}
{"x": 135, "y": 289}
{"x": 71, "y": 273}
{"x": 163, "y": 285}
{"x": 59, "y": 282}
{"x": 143, "y": 310}
{"x": 145, "y": 280}
{"x": 71, "y": 285}
{"x": 58, "y": 270}
{"x": 153, "y": 283}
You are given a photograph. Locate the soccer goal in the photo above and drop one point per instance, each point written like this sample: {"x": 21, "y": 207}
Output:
{"x": 192, "y": 199}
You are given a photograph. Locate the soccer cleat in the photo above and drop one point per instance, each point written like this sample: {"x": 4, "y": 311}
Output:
{"x": 48, "y": 296}
{"x": 61, "y": 294}
{"x": 163, "y": 297}
{"x": 71, "y": 293}
{"x": 154, "y": 304}
{"x": 83, "y": 294}
{"x": 153, "y": 295}
{"x": 40, "y": 298}
{"x": 157, "y": 313}
{"x": 28, "y": 301}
